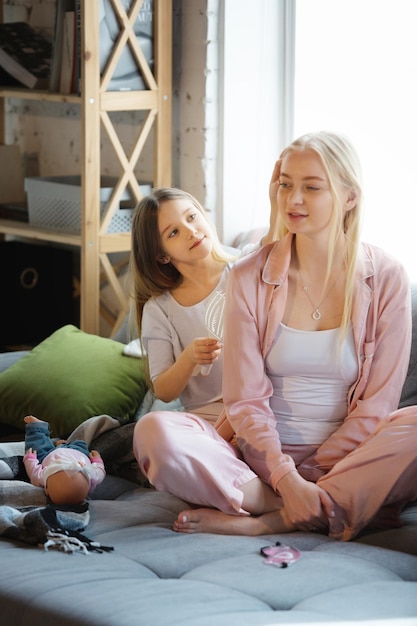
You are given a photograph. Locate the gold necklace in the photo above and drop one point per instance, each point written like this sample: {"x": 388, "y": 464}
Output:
{"x": 316, "y": 314}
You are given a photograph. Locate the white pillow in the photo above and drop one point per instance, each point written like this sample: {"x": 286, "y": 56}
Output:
{"x": 133, "y": 348}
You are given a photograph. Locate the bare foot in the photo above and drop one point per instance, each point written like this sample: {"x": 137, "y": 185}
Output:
{"x": 31, "y": 418}
{"x": 217, "y": 522}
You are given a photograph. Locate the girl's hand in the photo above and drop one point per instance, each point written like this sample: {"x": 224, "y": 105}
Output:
{"x": 94, "y": 454}
{"x": 306, "y": 504}
{"x": 204, "y": 350}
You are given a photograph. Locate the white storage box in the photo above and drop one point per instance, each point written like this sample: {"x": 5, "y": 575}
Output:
{"x": 55, "y": 202}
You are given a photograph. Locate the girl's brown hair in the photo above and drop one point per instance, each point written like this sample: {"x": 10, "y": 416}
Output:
{"x": 149, "y": 276}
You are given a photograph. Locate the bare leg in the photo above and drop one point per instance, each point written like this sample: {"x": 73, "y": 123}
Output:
{"x": 259, "y": 498}
{"x": 265, "y": 506}
{"x": 217, "y": 522}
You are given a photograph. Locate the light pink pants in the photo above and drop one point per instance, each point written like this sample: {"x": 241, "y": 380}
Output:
{"x": 183, "y": 454}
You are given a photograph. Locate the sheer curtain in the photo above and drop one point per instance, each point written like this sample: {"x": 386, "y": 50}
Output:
{"x": 253, "y": 109}
{"x": 355, "y": 73}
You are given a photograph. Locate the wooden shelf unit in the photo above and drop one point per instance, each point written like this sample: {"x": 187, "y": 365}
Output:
{"x": 96, "y": 103}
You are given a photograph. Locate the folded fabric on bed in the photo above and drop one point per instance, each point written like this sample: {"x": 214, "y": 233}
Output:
{"x": 50, "y": 527}
{"x": 11, "y": 460}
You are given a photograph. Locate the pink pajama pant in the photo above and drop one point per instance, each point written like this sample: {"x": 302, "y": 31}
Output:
{"x": 183, "y": 454}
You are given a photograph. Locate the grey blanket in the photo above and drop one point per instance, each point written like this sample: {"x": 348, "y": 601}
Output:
{"x": 11, "y": 460}
{"x": 50, "y": 527}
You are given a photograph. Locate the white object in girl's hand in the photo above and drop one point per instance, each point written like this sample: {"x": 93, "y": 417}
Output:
{"x": 214, "y": 322}
{"x": 215, "y": 313}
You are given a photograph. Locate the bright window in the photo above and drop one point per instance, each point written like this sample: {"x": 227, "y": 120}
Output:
{"x": 356, "y": 67}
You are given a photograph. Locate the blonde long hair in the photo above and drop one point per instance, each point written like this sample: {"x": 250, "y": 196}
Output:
{"x": 342, "y": 167}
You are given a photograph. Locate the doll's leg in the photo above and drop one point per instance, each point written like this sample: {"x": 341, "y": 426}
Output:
{"x": 37, "y": 437}
{"x": 76, "y": 444}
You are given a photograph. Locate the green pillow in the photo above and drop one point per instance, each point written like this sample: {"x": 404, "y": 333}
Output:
{"x": 70, "y": 377}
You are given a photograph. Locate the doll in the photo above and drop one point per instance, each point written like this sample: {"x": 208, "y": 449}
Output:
{"x": 68, "y": 471}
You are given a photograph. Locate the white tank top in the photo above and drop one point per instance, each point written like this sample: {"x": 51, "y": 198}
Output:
{"x": 311, "y": 376}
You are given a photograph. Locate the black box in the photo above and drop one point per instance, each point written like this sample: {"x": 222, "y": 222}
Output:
{"x": 36, "y": 292}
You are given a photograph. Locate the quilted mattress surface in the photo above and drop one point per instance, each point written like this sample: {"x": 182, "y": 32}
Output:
{"x": 155, "y": 576}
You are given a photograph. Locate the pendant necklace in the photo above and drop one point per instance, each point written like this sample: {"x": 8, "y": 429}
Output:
{"x": 316, "y": 314}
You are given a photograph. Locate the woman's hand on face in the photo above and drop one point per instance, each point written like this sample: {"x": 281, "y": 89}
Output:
{"x": 273, "y": 198}
{"x": 204, "y": 350}
{"x": 274, "y": 182}
{"x": 306, "y": 504}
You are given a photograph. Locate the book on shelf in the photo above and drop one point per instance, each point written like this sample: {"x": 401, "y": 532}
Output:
{"x": 13, "y": 205}
{"x": 61, "y": 10}
{"x": 76, "y": 76}
{"x": 16, "y": 211}
{"x": 25, "y": 54}
{"x": 68, "y": 54}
